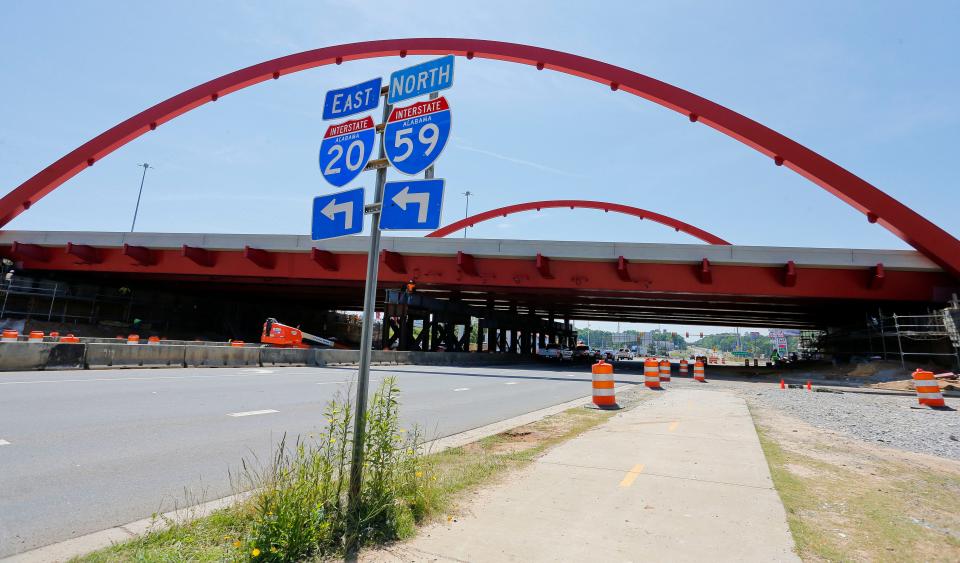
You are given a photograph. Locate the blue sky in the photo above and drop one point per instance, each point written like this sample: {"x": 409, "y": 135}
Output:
{"x": 869, "y": 85}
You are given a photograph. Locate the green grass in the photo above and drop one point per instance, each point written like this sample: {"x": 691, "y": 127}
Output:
{"x": 211, "y": 538}
{"x": 298, "y": 510}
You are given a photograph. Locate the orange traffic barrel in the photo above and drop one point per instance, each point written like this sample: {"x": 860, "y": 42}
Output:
{"x": 683, "y": 366}
{"x": 651, "y": 373}
{"x": 55, "y": 335}
{"x": 604, "y": 396}
{"x": 35, "y": 336}
{"x": 153, "y": 340}
{"x": 664, "y": 370}
{"x": 698, "y": 372}
{"x": 928, "y": 389}
{"x": 237, "y": 343}
{"x": 70, "y": 339}
{"x": 133, "y": 339}
{"x": 9, "y": 336}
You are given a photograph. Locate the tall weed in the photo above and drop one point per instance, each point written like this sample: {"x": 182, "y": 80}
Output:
{"x": 300, "y": 509}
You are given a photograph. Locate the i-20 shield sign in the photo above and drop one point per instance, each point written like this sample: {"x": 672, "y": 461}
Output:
{"x": 346, "y": 149}
{"x": 415, "y": 135}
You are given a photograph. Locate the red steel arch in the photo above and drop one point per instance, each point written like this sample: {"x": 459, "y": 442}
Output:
{"x": 675, "y": 224}
{"x": 932, "y": 241}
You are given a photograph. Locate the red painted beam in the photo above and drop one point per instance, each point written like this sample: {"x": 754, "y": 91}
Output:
{"x": 877, "y": 277}
{"x": 543, "y": 266}
{"x": 704, "y": 272}
{"x": 790, "y": 274}
{"x": 622, "y": 272}
{"x": 141, "y": 254}
{"x": 394, "y": 261}
{"x": 466, "y": 263}
{"x": 327, "y": 260}
{"x": 25, "y": 251}
{"x": 201, "y": 256}
{"x": 508, "y": 274}
{"x": 84, "y": 252}
{"x": 675, "y": 224}
{"x": 913, "y": 228}
{"x": 263, "y": 258}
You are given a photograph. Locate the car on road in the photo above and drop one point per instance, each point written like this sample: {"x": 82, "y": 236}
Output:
{"x": 608, "y": 355}
{"x": 582, "y": 352}
{"x": 555, "y": 352}
{"x": 625, "y": 354}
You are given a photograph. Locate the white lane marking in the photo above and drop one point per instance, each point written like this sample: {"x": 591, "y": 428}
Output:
{"x": 252, "y": 413}
{"x": 259, "y": 370}
{"x": 511, "y": 383}
{"x": 4, "y": 443}
{"x": 462, "y": 389}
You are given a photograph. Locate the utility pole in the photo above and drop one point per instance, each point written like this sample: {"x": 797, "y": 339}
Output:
{"x": 466, "y": 211}
{"x": 145, "y": 166}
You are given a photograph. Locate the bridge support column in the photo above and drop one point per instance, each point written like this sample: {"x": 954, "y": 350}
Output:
{"x": 513, "y": 328}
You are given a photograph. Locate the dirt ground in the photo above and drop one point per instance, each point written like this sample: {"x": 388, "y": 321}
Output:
{"x": 851, "y": 500}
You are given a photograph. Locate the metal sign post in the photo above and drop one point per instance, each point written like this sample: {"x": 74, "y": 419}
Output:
{"x": 417, "y": 204}
{"x": 366, "y": 342}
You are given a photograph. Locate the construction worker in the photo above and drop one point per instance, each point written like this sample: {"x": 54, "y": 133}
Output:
{"x": 411, "y": 286}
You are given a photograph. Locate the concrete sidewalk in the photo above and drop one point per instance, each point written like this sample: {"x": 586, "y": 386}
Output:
{"x": 679, "y": 478}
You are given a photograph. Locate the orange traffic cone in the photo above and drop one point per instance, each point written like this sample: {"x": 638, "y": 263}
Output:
{"x": 809, "y": 386}
{"x": 782, "y": 386}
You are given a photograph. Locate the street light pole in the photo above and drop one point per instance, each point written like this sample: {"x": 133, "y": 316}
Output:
{"x": 137, "y": 208}
{"x": 466, "y": 211}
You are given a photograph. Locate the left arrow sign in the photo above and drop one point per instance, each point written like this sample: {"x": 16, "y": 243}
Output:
{"x": 336, "y": 215}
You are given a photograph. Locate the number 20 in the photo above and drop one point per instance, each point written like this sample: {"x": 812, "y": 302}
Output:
{"x": 337, "y": 152}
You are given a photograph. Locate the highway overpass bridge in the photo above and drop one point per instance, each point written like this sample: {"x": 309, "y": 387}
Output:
{"x": 693, "y": 284}
{"x": 629, "y": 282}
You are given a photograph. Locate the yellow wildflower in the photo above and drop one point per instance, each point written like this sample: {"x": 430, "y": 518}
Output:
{"x": 419, "y": 473}
{"x": 236, "y": 543}
{"x": 255, "y": 552}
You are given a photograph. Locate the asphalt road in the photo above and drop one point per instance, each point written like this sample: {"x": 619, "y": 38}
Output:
{"x": 81, "y": 451}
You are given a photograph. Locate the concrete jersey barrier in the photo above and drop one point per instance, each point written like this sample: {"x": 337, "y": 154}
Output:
{"x": 29, "y": 356}
{"x": 220, "y": 356}
{"x": 26, "y": 356}
{"x": 122, "y": 355}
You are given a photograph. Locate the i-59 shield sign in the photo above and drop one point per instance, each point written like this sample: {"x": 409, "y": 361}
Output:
{"x": 346, "y": 149}
{"x": 415, "y": 135}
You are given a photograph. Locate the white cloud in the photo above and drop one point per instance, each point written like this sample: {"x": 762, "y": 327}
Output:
{"x": 519, "y": 161}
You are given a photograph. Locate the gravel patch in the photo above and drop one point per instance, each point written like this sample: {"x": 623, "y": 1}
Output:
{"x": 884, "y": 419}
{"x": 888, "y": 420}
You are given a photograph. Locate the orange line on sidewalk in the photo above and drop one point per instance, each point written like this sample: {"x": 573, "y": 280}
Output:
{"x": 632, "y": 475}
